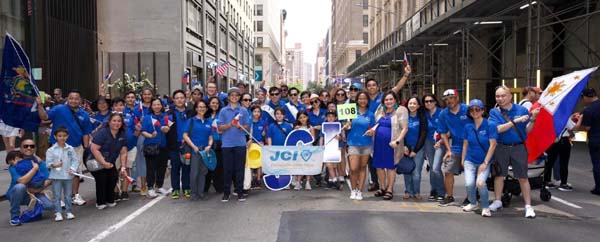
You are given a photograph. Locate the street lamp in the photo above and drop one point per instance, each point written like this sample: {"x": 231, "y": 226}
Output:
{"x": 375, "y": 7}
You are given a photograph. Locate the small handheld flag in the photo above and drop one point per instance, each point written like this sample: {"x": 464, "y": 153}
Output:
{"x": 405, "y": 61}
{"x": 107, "y": 76}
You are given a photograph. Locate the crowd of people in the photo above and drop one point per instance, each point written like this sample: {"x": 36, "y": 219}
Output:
{"x": 131, "y": 142}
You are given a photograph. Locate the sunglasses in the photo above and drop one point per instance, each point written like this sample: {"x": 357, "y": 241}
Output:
{"x": 326, "y": 95}
{"x": 340, "y": 94}
{"x": 430, "y": 101}
{"x": 274, "y": 94}
{"x": 293, "y": 94}
{"x": 354, "y": 89}
{"x": 247, "y": 100}
{"x": 29, "y": 146}
{"x": 314, "y": 102}
{"x": 477, "y": 110}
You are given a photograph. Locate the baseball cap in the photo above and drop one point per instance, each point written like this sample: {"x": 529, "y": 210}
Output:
{"x": 476, "y": 103}
{"x": 313, "y": 96}
{"x": 357, "y": 86}
{"x": 232, "y": 90}
{"x": 450, "y": 93}
{"x": 589, "y": 92}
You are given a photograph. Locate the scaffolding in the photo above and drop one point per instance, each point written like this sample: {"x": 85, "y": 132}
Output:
{"x": 474, "y": 46}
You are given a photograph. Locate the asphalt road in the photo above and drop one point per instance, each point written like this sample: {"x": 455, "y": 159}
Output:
{"x": 323, "y": 215}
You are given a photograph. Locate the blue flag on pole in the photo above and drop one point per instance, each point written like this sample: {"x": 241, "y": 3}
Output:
{"x": 17, "y": 90}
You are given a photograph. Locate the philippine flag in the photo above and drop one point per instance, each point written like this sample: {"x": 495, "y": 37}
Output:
{"x": 186, "y": 77}
{"x": 155, "y": 122}
{"x": 405, "y": 61}
{"x": 557, "y": 103}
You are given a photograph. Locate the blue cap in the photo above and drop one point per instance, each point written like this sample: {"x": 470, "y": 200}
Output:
{"x": 357, "y": 85}
{"x": 476, "y": 103}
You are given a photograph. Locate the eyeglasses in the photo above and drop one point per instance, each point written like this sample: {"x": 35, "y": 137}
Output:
{"x": 247, "y": 100}
{"x": 29, "y": 146}
{"x": 430, "y": 101}
{"x": 293, "y": 94}
{"x": 325, "y": 95}
{"x": 476, "y": 110}
{"x": 354, "y": 89}
{"x": 340, "y": 94}
{"x": 274, "y": 94}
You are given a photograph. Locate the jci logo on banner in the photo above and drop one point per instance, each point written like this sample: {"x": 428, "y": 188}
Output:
{"x": 292, "y": 160}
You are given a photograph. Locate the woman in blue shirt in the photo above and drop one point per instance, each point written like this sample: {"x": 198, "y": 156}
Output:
{"x": 215, "y": 177}
{"x": 478, "y": 149}
{"x": 198, "y": 135}
{"x": 316, "y": 114}
{"x": 101, "y": 108}
{"x": 414, "y": 141}
{"x": 434, "y": 150}
{"x": 154, "y": 127}
{"x": 360, "y": 145}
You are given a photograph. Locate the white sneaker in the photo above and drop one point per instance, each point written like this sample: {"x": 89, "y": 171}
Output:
{"x": 163, "y": 191}
{"x": 100, "y": 207}
{"x": 529, "y": 213}
{"x": 58, "y": 217}
{"x": 308, "y": 187}
{"x": 353, "y": 195}
{"x": 70, "y": 216}
{"x": 470, "y": 208}
{"x": 78, "y": 200}
{"x": 497, "y": 204}
{"x": 359, "y": 195}
{"x": 486, "y": 212}
{"x": 341, "y": 178}
{"x": 294, "y": 183}
{"x": 298, "y": 186}
{"x": 152, "y": 193}
{"x": 111, "y": 205}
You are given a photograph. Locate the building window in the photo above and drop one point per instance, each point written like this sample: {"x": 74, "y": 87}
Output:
{"x": 211, "y": 30}
{"x": 357, "y": 54}
{"x": 258, "y": 60}
{"x": 258, "y": 26}
{"x": 259, "y": 10}
{"x": 365, "y": 4}
{"x": 222, "y": 39}
{"x": 365, "y": 20}
{"x": 192, "y": 14}
{"x": 366, "y": 37}
{"x": 259, "y": 42}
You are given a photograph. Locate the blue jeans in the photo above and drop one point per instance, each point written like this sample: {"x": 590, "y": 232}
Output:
{"x": 595, "y": 157}
{"x": 434, "y": 158}
{"x": 234, "y": 162}
{"x": 139, "y": 169}
{"x": 62, "y": 187}
{"x": 413, "y": 181}
{"x": 471, "y": 177}
{"x": 179, "y": 172}
{"x": 19, "y": 196}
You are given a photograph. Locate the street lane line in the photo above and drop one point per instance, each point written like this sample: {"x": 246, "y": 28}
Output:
{"x": 126, "y": 220}
{"x": 564, "y": 202}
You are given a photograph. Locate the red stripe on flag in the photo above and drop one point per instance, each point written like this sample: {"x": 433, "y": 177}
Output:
{"x": 541, "y": 136}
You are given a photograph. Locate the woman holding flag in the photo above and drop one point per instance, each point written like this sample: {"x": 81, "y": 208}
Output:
{"x": 154, "y": 129}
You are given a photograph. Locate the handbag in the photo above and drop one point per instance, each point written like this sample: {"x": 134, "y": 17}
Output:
{"x": 90, "y": 162}
{"x": 34, "y": 213}
{"x": 405, "y": 166}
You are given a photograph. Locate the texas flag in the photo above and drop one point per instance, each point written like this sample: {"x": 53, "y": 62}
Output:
{"x": 557, "y": 103}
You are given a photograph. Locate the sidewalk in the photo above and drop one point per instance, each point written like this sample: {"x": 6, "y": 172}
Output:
{"x": 4, "y": 176}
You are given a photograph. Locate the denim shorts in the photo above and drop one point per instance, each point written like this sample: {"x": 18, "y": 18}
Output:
{"x": 360, "y": 150}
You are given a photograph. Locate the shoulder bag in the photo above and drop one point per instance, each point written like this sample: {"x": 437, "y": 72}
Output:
{"x": 495, "y": 168}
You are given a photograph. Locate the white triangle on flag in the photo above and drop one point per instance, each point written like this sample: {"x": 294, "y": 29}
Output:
{"x": 560, "y": 86}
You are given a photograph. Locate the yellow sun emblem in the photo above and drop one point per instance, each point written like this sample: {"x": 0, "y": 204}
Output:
{"x": 555, "y": 88}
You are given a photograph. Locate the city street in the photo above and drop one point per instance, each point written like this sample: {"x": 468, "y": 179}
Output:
{"x": 324, "y": 215}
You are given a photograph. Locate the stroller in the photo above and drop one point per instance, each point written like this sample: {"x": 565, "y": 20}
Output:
{"x": 535, "y": 174}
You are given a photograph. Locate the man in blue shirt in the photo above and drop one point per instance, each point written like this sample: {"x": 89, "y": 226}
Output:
{"x": 590, "y": 122}
{"x": 513, "y": 126}
{"x": 180, "y": 173}
{"x": 274, "y": 103}
{"x": 77, "y": 122}
{"x": 211, "y": 91}
{"x": 233, "y": 121}
{"x": 452, "y": 121}
{"x": 293, "y": 106}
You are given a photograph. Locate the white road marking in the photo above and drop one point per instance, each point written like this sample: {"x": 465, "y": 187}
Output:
{"x": 564, "y": 202}
{"x": 126, "y": 220}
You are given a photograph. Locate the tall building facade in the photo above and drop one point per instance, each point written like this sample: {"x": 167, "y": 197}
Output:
{"x": 294, "y": 64}
{"x": 321, "y": 63}
{"x": 348, "y": 30}
{"x": 307, "y": 75}
{"x": 268, "y": 27}
{"x": 164, "y": 39}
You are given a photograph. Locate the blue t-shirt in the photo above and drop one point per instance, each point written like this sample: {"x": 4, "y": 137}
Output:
{"x": 233, "y": 137}
{"x": 129, "y": 120}
{"x": 510, "y": 136}
{"x": 14, "y": 175}
{"x": 433, "y": 122}
{"x": 288, "y": 115}
{"x": 455, "y": 123}
{"x": 24, "y": 166}
{"x": 201, "y": 131}
{"x": 486, "y": 131}
{"x": 360, "y": 125}
{"x": 141, "y": 110}
{"x": 110, "y": 146}
{"x": 151, "y": 123}
{"x": 277, "y": 136}
{"x": 317, "y": 119}
{"x": 62, "y": 116}
{"x": 99, "y": 119}
{"x": 258, "y": 128}
{"x": 222, "y": 97}
{"x": 412, "y": 136}
{"x": 591, "y": 118}
{"x": 374, "y": 103}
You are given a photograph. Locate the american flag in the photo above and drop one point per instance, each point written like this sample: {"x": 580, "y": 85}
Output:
{"x": 222, "y": 68}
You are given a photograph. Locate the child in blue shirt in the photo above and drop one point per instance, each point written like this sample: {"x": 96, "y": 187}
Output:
{"x": 278, "y": 131}
{"x": 23, "y": 166}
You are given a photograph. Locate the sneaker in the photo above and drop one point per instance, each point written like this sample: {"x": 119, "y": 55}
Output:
{"x": 470, "y": 208}
{"x": 15, "y": 221}
{"x": 117, "y": 197}
{"x": 163, "y": 191}
{"x": 58, "y": 217}
{"x": 175, "y": 194}
{"x": 298, "y": 186}
{"x": 144, "y": 191}
{"x": 529, "y": 213}
{"x": 466, "y": 202}
{"x": 70, "y": 216}
{"x": 431, "y": 197}
{"x": 225, "y": 198}
{"x": 353, "y": 195}
{"x": 565, "y": 188}
{"x": 152, "y": 193}
{"x": 439, "y": 198}
{"x": 294, "y": 184}
{"x": 497, "y": 204}
{"x": 341, "y": 179}
{"x": 447, "y": 200}
{"x": 307, "y": 186}
{"x": 124, "y": 196}
{"x": 78, "y": 200}
{"x": 242, "y": 197}
{"x": 187, "y": 193}
{"x": 550, "y": 185}
{"x": 359, "y": 195}
{"x": 135, "y": 188}
{"x": 100, "y": 207}
{"x": 111, "y": 205}
{"x": 486, "y": 212}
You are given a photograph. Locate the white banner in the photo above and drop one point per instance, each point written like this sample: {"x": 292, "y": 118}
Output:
{"x": 292, "y": 160}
